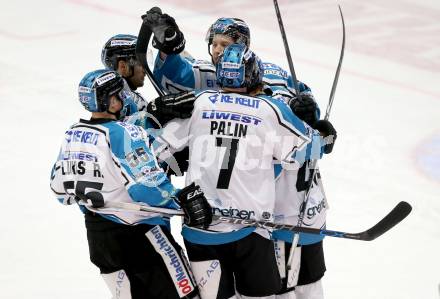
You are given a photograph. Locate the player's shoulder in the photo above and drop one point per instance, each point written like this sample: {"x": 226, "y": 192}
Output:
{"x": 271, "y": 100}
{"x": 85, "y": 125}
{"x": 273, "y": 104}
{"x": 204, "y": 65}
{"x": 272, "y": 70}
{"x": 280, "y": 111}
{"x": 128, "y": 130}
{"x": 201, "y": 64}
{"x": 72, "y": 126}
{"x": 202, "y": 95}
{"x": 119, "y": 133}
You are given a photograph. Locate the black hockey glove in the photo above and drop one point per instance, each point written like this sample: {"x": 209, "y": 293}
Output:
{"x": 167, "y": 36}
{"x": 328, "y": 131}
{"x": 172, "y": 106}
{"x": 198, "y": 212}
{"x": 305, "y": 109}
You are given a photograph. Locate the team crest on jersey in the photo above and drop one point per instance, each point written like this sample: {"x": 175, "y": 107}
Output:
{"x": 150, "y": 177}
{"x": 214, "y": 98}
{"x": 150, "y": 170}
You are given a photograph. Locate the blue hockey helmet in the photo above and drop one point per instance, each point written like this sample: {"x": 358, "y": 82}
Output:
{"x": 96, "y": 88}
{"x": 239, "y": 67}
{"x": 233, "y": 27}
{"x": 120, "y": 46}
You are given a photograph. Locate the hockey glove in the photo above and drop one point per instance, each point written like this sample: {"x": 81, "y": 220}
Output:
{"x": 167, "y": 36}
{"x": 198, "y": 212}
{"x": 306, "y": 109}
{"x": 328, "y": 131}
{"x": 172, "y": 106}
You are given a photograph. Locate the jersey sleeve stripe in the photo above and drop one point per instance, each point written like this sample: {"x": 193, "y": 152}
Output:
{"x": 290, "y": 122}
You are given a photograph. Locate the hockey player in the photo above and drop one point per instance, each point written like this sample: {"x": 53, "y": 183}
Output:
{"x": 103, "y": 162}
{"x": 119, "y": 54}
{"x": 290, "y": 185}
{"x": 181, "y": 72}
{"x": 233, "y": 136}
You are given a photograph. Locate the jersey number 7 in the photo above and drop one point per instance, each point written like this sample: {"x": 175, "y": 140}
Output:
{"x": 228, "y": 163}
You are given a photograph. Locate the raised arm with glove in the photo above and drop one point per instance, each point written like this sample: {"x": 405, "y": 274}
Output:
{"x": 167, "y": 36}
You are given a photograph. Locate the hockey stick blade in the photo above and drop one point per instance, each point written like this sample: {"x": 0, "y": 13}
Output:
{"x": 392, "y": 219}
{"x": 141, "y": 54}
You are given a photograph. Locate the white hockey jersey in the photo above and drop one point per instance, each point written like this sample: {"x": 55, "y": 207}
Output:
{"x": 177, "y": 73}
{"x": 104, "y": 161}
{"x": 233, "y": 140}
{"x": 291, "y": 192}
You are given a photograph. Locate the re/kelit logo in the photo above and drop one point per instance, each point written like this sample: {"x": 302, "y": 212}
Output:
{"x": 173, "y": 262}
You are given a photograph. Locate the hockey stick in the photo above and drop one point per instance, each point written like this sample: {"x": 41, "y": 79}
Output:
{"x": 298, "y": 94}
{"x": 286, "y": 48}
{"x": 327, "y": 113}
{"x": 313, "y": 171}
{"x": 338, "y": 69}
{"x": 141, "y": 53}
{"x": 400, "y": 211}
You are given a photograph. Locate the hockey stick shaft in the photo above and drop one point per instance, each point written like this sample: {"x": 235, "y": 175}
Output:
{"x": 400, "y": 211}
{"x": 141, "y": 53}
{"x": 338, "y": 69}
{"x": 315, "y": 162}
{"x": 286, "y": 48}
{"x": 327, "y": 113}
